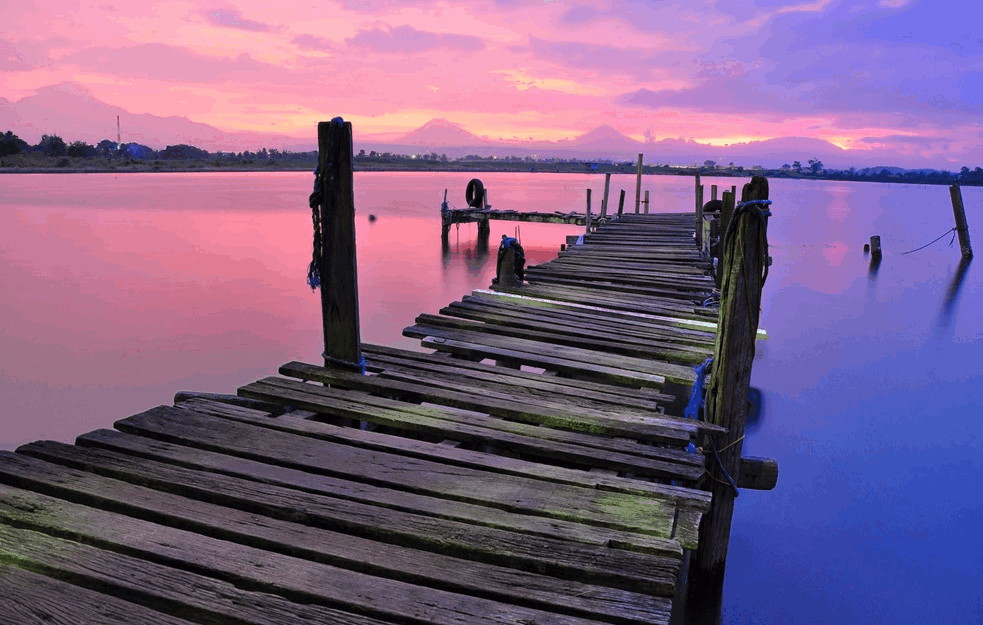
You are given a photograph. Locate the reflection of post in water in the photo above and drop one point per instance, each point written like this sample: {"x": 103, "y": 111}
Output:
{"x": 952, "y": 292}
{"x": 474, "y": 257}
{"x": 875, "y": 264}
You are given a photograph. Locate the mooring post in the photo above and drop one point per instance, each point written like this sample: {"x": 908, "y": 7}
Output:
{"x": 962, "y": 227}
{"x": 713, "y": 192}
{"x": 588, "y": 212}
{"x": 638, "y": 184}
{"x": 875, "y": 245}
{"x": 506, "y": 266}
{"x": 646, "y": 201}
{"x": 339, "y": 279}
{"x": 621, "y": 203}
{"x": 744, "y": 267}
{"x": 699, "y": 213}
{"x": 604, "y": 200}
{"x": 726, "y": 212}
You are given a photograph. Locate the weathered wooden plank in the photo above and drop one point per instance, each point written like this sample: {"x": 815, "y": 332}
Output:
{"x": 546, "y": 345}
{"x": 583, "y": 338}
{"x": 641, "y": 428}
{"x": 647, "y": 400}
{"x": 483, "y": 487}
{"x": 33, "y": 599}
{"x": 259, "y": 569}
{"x": 88, "y": 569}
{"x": 234, "y": 466}
{"x": 319, "y": 545}
{"x": 544, "y": 444}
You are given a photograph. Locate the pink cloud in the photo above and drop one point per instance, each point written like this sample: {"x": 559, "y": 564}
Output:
{"x": 408, "y": 40}
{"x": 232, "y": 18}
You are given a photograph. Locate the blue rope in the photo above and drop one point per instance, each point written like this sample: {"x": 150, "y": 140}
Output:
{"x": 762, "y": 203}
{"x": 692, "y": 410}
{"x": 720, "y": 465}
{"x": 355, "y": 366}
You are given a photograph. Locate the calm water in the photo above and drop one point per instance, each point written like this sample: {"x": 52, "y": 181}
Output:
{"x": 121, "y": 290}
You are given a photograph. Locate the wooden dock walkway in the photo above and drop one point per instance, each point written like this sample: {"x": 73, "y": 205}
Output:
{"x": 435, "y": 488}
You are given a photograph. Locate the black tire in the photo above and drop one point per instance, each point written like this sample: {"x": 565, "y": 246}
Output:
{"x": 475, "y": 193}
{"x": 713, "y": 206}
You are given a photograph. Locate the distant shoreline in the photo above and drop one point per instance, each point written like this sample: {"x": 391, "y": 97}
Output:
{"x": 87, "y": 166}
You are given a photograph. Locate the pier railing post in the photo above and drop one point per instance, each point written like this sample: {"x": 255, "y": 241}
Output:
{"x": 339, "y": 280}
{"x": 744, "y": 266}
{"x": 962, "y": 227}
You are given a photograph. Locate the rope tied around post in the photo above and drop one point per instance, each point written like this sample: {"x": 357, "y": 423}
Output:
{"x": 315, "y": 201}
{"x": 695, "y": 403}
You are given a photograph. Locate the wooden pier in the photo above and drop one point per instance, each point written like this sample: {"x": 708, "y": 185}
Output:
{"x": 531, "y": 467}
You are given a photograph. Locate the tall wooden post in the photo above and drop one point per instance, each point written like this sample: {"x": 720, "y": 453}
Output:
{"x": 588, "y": 212}
{"x": 621, "y": 203}
{"x": 646, "y": 201}
{"x": 726, "y": 398}
{"x": 699, "y": 213}
{"x": 726, "y": 212}
{"x": 339, "y": 279}
{"x": 638, "y": 184}
{"x": 962, "y": 227}
{"x": 604, "y": 200}
{"x": 713, "y": 192}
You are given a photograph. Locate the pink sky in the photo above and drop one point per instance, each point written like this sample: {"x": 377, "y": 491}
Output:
{"x": 903, "y": 75}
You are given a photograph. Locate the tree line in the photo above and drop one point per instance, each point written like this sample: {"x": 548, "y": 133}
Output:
{"x": 55, "y": 146}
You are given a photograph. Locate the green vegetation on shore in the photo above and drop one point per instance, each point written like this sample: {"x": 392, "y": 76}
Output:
{"x": 53, "y": 155}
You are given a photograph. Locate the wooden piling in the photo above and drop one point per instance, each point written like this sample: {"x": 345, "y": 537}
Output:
{"x": 713, "y": 192}
{"x": 506, "y": 268}
{"x": 699, "y": 212}
{"x": 875, "y": 245}
{"x": 621, "y": 203}
{"x": 588, "y": 212}
{"x": 604, "y": 200}
{"x": 962, "y": 227}
{"x": 339, "y": 279}
{"x": 646, "y": 201}
{"x": 638, "y": 184}
{"x": 726, "y": 398}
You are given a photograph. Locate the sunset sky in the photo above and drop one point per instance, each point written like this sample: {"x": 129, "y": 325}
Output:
{"x": 900, "y": 74}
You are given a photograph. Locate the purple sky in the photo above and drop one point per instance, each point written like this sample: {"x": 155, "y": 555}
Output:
{"x": 904, "y": 77}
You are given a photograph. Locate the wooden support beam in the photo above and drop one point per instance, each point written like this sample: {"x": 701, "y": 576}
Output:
{"x": 339, "y": 279}
{"x": 726, "y": 397}
{"x": 962, "y": 227}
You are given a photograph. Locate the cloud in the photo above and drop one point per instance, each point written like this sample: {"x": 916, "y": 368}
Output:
{"x": 313, "y": 42}
{"x": 408, "y": 40}
{"x": 232, "y": 18}
{"x": 160, "y": 61}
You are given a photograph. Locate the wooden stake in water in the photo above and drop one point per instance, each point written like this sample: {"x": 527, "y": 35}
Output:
{"x": 875, "y": 245}
{"x": 638, "y": 184}
{"x": 962, "y": 227}
{"x": 339, "y": 279}
{"x": 646, "y": 201}
{"x": 621, "y": 203}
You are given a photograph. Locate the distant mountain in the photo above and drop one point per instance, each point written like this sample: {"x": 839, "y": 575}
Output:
{"x": 72, "y": 112}
{"x": 439, "y": 132}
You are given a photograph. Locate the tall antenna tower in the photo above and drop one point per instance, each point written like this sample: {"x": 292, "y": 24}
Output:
{"x": 118, "y": 140}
